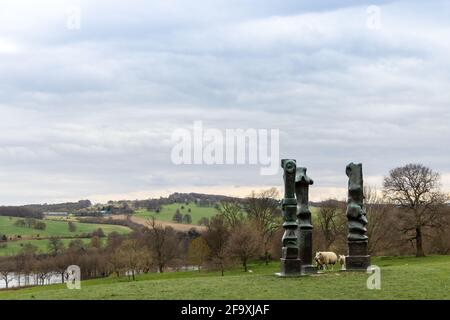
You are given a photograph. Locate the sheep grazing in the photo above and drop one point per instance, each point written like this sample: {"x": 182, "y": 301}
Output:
{"x": 342, "y": 261}
{"x": 325, "y": 259}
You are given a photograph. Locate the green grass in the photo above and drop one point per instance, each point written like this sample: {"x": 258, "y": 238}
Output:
{"x": 14, "y": 247}
{"x": 401, "y": 278}
{"x": 167, "y": 212}
{"x": 55, "y": 228}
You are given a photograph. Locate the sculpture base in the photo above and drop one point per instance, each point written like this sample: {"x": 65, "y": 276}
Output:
{"x": 358, "y": 258}
{"x": 290, "y": 268}
{"x": 357, "y": 248}
{"x": 308, "y": 269}
{"x": 357, "y": 263}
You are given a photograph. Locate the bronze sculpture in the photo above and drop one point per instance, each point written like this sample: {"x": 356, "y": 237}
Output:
{"x": 297, "y": 239}
{"x": 358, "y": 258}
{"x": 305, "y": 227}
{"x": 290, "y": 262}
{"x": 296, "y": 256}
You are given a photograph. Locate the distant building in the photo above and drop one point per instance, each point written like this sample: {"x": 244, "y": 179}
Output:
{"x": 56, "y": 214}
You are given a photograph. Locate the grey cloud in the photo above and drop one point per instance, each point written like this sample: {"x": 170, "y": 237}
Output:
{"x": 91, "y": 112}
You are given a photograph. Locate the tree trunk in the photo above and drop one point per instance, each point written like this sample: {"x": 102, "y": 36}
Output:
{"x": 266, "y": 256}
{"x": 419, "y": 248}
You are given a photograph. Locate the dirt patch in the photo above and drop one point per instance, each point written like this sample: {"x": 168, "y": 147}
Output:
{"x": 177, "y": 226}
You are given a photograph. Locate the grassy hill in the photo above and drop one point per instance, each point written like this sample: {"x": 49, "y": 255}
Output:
{"x": 401, "y": 278}
{"x": 14, "y": 247}
{"x": 167, "y": 212}
{"x": 54, "y": 228}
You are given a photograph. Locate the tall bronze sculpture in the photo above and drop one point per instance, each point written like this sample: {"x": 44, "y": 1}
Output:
{"x": 358, "y": 258}
{"x": 290, "y": 262}
{"x": 305, "y": 227}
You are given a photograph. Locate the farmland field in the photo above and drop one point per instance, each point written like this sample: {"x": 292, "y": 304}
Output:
{"x": 401, "y": 278}
{"x": 54, "y": 228}
{"x": 167, "y": 212}
{"x": 14, "y": 247}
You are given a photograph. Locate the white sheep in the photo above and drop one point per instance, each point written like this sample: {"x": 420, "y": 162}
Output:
{"x": 324, "y": 259}
{"x": 342, "y": 261}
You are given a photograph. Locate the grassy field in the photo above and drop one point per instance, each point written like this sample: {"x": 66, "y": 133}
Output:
{"x": 54, "y": 228}
{"x": 167, "y": 212}
{"x": 401, "y": 278}
{"x": 14, "y": 247}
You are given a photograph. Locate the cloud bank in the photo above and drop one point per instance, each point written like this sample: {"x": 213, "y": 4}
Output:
{"x": 89, "y": 113}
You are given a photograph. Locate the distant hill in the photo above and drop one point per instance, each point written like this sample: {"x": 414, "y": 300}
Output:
{"x": 20, "y": 211}
{"x": 85, "y": 207}
{"x": 60, "y": 207}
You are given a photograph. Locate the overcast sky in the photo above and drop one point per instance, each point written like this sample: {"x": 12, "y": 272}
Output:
{"x": 88, "y": 113}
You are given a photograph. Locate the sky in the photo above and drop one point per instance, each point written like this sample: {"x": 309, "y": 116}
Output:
{"x": 92, "y": 91}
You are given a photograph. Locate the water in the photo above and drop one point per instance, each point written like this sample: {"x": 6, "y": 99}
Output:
{"x": 52, "y": 278}
{"x": 55, "y": 278}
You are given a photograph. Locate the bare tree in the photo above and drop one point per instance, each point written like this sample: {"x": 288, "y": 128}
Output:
{"x": 440, "y": 239}
{"x": 231, "y": 212}
{"x": 96, "y": 242}
{"x": 116, "y": 262}
{"x": 55, "y": 246}
{"x": 7, "y": 268}
{"x": 163, "y": 244}
{"x": 264, "y": 213}
{"x": 198, "y": 251}
{"x": 72, "y": 226}
{"x": 416, "y": 190}
{"x": 331, "y": 222}
{"x": 60, "y": 264}
{"x": 216, "y": 237}
{"x": 382, "y": 228}
{"x": 244, "y": 244}
{"x": 132, "y": 255}
{"x": 28, "y": 254}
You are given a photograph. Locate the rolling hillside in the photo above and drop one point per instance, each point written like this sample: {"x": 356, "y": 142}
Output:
{"x": 14, "y": 247}
{"x": 54, "y": 229}
{"x": 39, "y": 238}
{"x": 167, "y": 212}
{"x": 401, "y": 278}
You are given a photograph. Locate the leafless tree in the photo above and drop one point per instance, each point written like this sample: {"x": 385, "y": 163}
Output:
{"x": 163, "y": 244}
{"x": 133, "y": 256}
{"x": 55, "y": 246}
{"x": 96, "y": 242}
{"x": 263, "y": 211}
{"x": 416, "y": 190}
{"x": 198, "y": 251}
{"x": 232, "y": 213}
{"x": 116, "y": 263}
{"x": 216, "y": 237}
{"x": 244, "y": 244}
{"x": 382, "y": 228}
{"x": 60, "y": 264}
{"x": 7, "y": 269}
{"x": 331, "y": 221}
